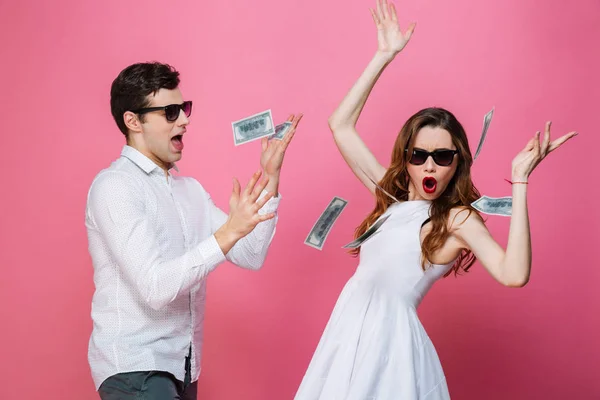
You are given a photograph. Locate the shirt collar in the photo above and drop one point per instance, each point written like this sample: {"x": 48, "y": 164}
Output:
{"x": 146, "y": 164}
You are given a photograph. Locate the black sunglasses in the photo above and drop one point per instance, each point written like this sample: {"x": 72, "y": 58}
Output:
{"x": 441, "y": 157}
{"x": 171, "y": 111}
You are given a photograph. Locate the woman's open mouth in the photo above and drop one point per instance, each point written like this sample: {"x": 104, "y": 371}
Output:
{"x": 429, "y": 184}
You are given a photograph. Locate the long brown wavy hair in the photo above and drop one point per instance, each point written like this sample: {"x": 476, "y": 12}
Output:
{"x": 460, "y": 192}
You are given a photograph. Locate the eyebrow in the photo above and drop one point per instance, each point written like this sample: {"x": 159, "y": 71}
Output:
{"x": 436, "y": 149}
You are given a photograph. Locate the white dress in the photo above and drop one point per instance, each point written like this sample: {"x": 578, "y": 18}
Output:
{"x": 374, "y": 346}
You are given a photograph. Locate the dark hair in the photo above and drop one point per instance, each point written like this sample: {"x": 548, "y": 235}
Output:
{"x": 460, "y": 191}
{"x": 130, "y": 89}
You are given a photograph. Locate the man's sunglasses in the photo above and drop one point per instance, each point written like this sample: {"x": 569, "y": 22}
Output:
{"x": 171, "y": 111}
{"x": 441, "y": 157}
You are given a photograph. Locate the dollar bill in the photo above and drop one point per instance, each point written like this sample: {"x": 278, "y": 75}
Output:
{"x": 377, "y": 185}
{"x": 369, "y": 233}
{"x": 253, "y": 127}
{"x": 486, "y": 124}
{"x": 321, "y": 228}
{"x": 281, "y": 130}
{"x": 494, "y": 205}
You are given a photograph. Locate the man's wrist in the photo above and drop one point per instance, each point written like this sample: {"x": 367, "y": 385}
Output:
{"x": 273, "y": 175}
{"x": 226, "y": 238}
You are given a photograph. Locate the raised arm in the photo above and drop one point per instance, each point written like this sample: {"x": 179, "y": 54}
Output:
{"x": 118, "y": 212}
{"x": 513, "y": 266}
{"x": 343, "y": 121}
{"x": 249, "y": 250}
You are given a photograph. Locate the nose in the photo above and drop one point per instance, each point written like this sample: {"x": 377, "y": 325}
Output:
{"x": 429, "y": 164}
{"x": 182, "y": 120}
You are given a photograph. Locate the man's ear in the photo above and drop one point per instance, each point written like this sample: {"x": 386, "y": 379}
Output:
{"x": 132, "y": 122}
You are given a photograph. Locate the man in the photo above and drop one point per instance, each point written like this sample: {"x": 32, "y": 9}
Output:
{"x": 154, "y": 237}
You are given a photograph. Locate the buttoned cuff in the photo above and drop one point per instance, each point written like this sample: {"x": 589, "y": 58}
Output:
{"x": 271, "y": 205}
{"x": 210, "y": 253}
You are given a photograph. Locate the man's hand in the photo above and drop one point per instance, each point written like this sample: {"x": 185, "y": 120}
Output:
{"x": 243, "y": 212}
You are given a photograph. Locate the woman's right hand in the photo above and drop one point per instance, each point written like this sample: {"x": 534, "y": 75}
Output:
{"x": 389, "y": 36}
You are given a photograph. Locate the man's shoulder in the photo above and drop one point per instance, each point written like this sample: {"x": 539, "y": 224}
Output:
{"x": 116, "y": 176}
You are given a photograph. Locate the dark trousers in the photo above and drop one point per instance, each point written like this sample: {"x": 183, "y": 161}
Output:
{"x": 149, "y": 385}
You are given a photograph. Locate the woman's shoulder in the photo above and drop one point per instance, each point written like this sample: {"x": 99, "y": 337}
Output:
{"x": 463, "y": 216}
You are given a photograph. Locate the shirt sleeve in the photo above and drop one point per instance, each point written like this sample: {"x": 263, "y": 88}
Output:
{"x": 250, "y": 251}
{"x": 117, "y": 207}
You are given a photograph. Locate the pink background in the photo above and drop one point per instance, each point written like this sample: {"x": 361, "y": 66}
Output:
{"x": 532, "y": 60}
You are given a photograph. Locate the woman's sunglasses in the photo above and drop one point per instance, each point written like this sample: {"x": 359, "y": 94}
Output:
{"x": 171, "y": 111}
{"x": 441, "y": 157}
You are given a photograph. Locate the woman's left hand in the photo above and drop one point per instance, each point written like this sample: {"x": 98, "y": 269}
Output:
{"x": 534, "y": 152}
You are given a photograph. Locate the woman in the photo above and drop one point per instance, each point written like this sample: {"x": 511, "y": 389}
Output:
{"x": 374, "y": 346}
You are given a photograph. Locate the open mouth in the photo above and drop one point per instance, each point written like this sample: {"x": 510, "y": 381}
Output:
{"x": 177, "y": 142}
{"x": 429, "y": 184}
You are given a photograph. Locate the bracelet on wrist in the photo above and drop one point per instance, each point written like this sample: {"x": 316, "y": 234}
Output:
{"x": 514, "y": 182}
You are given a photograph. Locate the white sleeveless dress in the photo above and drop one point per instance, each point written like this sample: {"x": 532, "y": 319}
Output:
{"x": 374, "y": 346}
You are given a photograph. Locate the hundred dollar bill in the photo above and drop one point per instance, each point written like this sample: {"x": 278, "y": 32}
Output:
{"x": 253, "y": 127}
{"x": 320, "y": 230}
{"x": 281, "y": 130}
{"x": 377, "y": 185}
{"x": 368, "y": 234}
{"x": 486, "y": 124}
{"x": 494, "y": 206}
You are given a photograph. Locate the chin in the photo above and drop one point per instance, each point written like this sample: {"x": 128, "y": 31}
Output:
{"x": 173, "y": 157}
{"x": 435, "y": 195}
{"x": 430, "y": 196}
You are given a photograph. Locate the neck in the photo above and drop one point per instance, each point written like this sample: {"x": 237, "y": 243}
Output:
{"x": 413, "y": 194}
{"x": 142, "y": 149}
